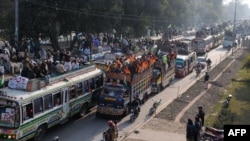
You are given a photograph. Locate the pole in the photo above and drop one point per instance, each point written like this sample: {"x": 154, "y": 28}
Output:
{"x": 234, "y": 32}
{"x": 16, "y": 18}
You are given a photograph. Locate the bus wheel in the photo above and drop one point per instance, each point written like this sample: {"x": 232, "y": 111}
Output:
{"x": 84, "y": 109}
{"x": 40, "y": 132}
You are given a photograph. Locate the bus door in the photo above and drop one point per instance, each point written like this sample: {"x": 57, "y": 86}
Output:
{"x": 65, "y": 103}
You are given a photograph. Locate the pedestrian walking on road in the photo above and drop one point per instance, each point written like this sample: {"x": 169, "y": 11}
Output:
{"x": 190, "y": 130}
{"x": 206, "y": 78}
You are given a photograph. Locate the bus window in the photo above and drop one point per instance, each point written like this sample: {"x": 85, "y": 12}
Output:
{"x": 57, "y": 99}
{"x": 101, "y": 80}
{"x": 38, "y": 105}
{"x": 27, "y": 112}
{"x": 97, "y": 81}
{"x": 92, "y": 84}
{"x": 79, "y": 89}
{"x": 47, "y": 102}
{"x": 86, "y": 86}
{"x": 72, "y": 92}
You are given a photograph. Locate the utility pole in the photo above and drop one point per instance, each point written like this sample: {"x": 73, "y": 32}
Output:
{"x": 234, "y": 31}
{"x": 16, "y": 19}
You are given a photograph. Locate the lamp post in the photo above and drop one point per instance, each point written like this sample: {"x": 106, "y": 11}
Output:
{"x": 234, "y": 32}
{"x": 16, "y": 18}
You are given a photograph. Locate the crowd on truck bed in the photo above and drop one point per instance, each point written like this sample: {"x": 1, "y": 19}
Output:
{"x": 132, "y": 65}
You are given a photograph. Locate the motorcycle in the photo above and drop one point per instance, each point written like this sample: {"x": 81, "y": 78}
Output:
{"x": 198, "y": 71}
{"x": 154, "y": 106}
{"x": 227, "y": 100}
{"x": 210, "y": 137}
{"x": 107, "y": 137}
{"x": 134, "y": 113}
{"x": 214, "y": 131}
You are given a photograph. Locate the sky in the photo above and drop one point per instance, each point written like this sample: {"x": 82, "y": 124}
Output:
{"x": 243, "y": 1}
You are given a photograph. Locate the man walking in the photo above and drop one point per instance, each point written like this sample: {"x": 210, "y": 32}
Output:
{"x": 206, "y": 78}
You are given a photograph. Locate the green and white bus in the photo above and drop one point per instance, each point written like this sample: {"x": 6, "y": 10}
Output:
{"x": 27, "y": 114}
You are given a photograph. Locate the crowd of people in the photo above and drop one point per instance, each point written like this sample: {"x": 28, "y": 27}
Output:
{"x": 194, "y": 129}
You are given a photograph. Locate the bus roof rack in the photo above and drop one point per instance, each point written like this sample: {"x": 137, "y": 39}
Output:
{"x": 36, "y": 84}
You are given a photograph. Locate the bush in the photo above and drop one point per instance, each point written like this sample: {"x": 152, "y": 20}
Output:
{"x": 224, "y": 117}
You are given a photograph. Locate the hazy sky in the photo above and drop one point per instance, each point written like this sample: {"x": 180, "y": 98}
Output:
{"x": 243, "y": 1}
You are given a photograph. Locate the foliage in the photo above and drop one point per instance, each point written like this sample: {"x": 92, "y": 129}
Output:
{"x": 128, "y": 17}
{"x": 224, "y": 117}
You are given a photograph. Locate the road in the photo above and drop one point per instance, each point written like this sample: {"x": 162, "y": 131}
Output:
{"x": 90, "y": 128}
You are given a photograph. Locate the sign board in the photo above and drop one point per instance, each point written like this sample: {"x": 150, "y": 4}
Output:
{"x": 18, "y": 82}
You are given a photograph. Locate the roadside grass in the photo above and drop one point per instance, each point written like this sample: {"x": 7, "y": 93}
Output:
{"x": 238, "y": 110}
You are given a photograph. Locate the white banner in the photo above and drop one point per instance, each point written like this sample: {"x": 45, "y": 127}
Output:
{"x": 18, "y": 82}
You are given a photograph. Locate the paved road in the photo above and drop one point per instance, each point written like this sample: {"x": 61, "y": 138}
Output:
{"x": 90, "y": 128}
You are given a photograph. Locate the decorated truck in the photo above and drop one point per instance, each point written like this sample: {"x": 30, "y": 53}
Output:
{"x": 121, "y": 88}
{"x": 164, "y": 71}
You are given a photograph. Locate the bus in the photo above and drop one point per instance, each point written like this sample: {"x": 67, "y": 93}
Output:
{"x": 217, "y": 40}
{"x": 185, "y": 64}
{"x": 202, "y": 45}
{"x": 28, "y": 113}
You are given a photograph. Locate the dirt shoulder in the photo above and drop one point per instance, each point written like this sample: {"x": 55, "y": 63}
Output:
{"x": 165, "y": 120}
{"x": 209, "y": 99}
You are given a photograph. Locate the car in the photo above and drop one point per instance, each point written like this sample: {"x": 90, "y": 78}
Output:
{"x": 202, "y": 60}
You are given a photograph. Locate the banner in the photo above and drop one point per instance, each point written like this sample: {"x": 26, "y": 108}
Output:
{"x": 18, "y": 82}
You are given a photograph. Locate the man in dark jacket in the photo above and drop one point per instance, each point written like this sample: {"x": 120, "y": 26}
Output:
{"x": 190, "y": 130}
{"x": 206, "y": 78}
{"x": 201, "y": 115}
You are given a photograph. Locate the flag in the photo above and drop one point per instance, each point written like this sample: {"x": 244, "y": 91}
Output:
{"x": 124, "y": 82}
{"x": 114, "y": 31}
{"x": 169, "y": 26}
{"x": 2, "y": 81}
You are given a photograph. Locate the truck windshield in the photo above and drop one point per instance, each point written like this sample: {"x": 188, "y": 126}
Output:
{"x": 156, "y": 73}
{"x": 9, "y": 112}
{"x": 113, "y": 92}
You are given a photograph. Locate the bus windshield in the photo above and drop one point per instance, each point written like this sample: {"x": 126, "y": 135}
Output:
{"x": 199, "y": 43}
{"x": 179, "y": 63}
{"x": 9, "y": 112}
{"x": 156, "y": 73}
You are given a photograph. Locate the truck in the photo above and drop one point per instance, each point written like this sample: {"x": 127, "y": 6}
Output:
{"x": 163, "y": 73}
{"x": 120, "y": 89}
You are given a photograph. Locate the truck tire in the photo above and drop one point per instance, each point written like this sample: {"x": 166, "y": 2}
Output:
{"x": 145, "y": 98}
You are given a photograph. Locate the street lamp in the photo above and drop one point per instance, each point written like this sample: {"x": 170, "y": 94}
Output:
{"x": 234, "y": 32}
{"x": 16, "y": 19}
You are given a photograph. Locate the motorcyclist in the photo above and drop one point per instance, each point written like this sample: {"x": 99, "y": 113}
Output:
{"x": 209, "y": 62}
{"x": 110, "y": 134}
{"x": 198, "y": 68}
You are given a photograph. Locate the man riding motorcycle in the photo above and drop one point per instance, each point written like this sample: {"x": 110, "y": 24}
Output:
{"x": 198, "y": 68}
{"x": 209, "y": 62}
